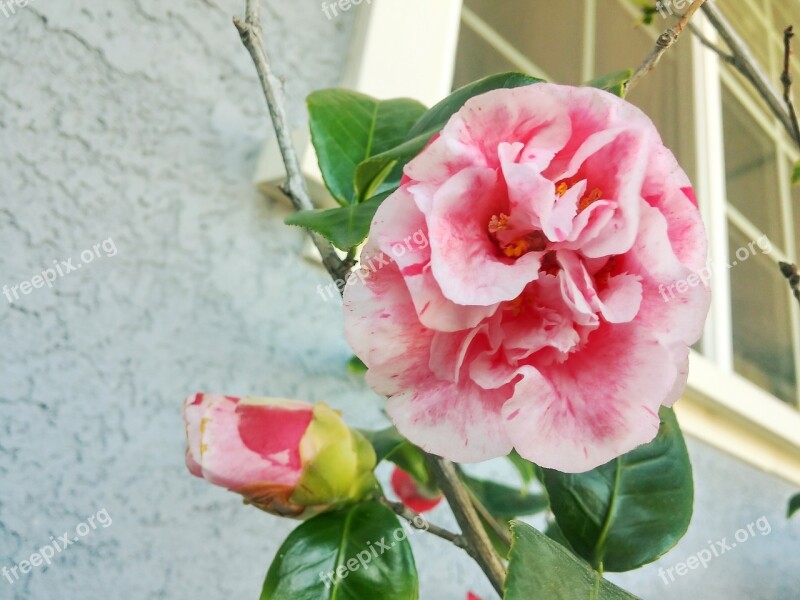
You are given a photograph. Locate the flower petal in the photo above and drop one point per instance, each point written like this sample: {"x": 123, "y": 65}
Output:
{"x": 601, "y": 402}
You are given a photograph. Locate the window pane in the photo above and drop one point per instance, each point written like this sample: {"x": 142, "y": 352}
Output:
{"x": 666, "y": 94}
{"x": 548, "y": 33}
{"x": 762, "y": 334}
{"x": 476, "y": 59}
{"x": 753, "y": 25}
{"x": 751, "y": 169}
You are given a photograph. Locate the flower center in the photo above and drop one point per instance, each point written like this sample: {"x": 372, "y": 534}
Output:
{"x": 535, "y": 241}
{"x": 562, "y": 187}
{"x": 603, "y": 275}
{"x": 550, "y": 264}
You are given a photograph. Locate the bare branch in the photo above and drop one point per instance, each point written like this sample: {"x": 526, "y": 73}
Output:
{"x": 786, "y": 80}
{"x": 478, "y": 544}
{"x": 727, "y": 57}
{"x": 748, "y": 67}
{"x": 500, "y": 529}
{"x": 790, "y": 272}
{"x": 664, "y": 42}
{"x": 401, "y": 510}
{"x": 295, "y": 188}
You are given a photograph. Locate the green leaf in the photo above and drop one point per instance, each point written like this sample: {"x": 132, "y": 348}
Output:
{"x": 356, "y": 366}
{"x": 435, "y": 119}
{"x": 794, "y": 506}
{"x": 348, "y": 127}
{"x": 649, "y": 11}
{"x": 554, "y": 532}
{"x": 613, "y": 82}
{"x": 505, "y": 502}
{"x": 426, "y": 127}
{"x": 630, "y": 511}
{"x": 541, "y": 568}
{"x": 796, "y": 174}
{"x": 369, "y": 172}
{"x": 345, "y": 227}
{"x": 342, "y": 549}
{"x": 384, "y": 441}
{"x": 527, "y": 470}
{"x": 390, "y": 445}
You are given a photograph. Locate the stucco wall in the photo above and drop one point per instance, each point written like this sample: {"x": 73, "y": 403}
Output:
{"x": 140, "y": 121}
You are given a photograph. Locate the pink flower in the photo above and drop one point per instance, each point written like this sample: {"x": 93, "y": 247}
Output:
{"x": 286, "y": 457}
{"x": 412, "y": 494}
{"x": 471, "y": 596}
{"x": 532, "y": 318}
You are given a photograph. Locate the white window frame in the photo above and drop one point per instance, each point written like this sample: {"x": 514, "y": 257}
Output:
{"x": 415, "y": 41}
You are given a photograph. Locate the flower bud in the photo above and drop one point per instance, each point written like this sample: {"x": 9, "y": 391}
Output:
{"x": 412, "y": 494}
{"x": 287, "y": 457}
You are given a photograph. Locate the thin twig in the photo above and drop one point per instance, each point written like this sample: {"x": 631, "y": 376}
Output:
{"x": 295, "y": 188}
{"x": 478, "y": 544}
{"x": 790, "y": 272}
{"x": 501, "y": 530}
{"x": 725, "y": 56}
{"x": 664, "y": 42}
{"x": 401, "y": 510}
{"x": 748, "y": 67}
{"x": 786, "y": 80}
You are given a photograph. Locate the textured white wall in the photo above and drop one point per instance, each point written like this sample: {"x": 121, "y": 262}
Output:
{"x": 141, "y": 121}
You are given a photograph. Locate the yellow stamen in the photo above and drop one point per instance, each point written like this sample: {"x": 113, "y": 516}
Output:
{"x": 498, "y": 223}
{"x": 593, "y": 197}
{"x": 516, "y": 248}
{"x": 562, "y": 188}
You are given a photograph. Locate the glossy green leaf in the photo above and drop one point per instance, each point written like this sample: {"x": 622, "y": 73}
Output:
{"x": 526, "y": 469}
{"x": 356, "y": 366}
{"x": 630, "y": 511}
{"x": 505, "y": 502}
{"x": 338, "y": 555}
{"x": 390, "y": 445}
{"x": 541, "y": 568}
{"x": 613, "y": 83}
{"x": 345, "y": 227}
{"x": 348, "y": 127}
{"x": 554, "y": 532}
{"x": 435, "y": 118}
{"x": 794, "y": 506}
{"x": 426, "y": 127}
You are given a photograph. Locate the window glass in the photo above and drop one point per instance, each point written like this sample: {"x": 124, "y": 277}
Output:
{"x": 665, "y": 95}
{"x": 476, "y": 59}
{"x": 762, "y": 332}
{"x": 751, "y": 169}
{"x": 546, "y": 32}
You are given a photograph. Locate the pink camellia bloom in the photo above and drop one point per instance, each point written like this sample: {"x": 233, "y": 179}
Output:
{"x": 412, "y": 494}
{"x": 286, "y": 457}
{"x": 532, "y": 317}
